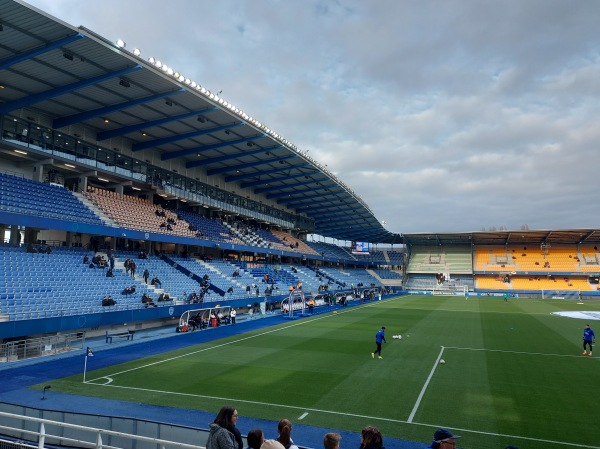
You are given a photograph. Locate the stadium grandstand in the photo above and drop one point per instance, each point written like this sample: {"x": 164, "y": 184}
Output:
{"x": 108, "y": 158}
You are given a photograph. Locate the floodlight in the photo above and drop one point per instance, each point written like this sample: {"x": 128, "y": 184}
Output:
{"x": 121, "y": 43}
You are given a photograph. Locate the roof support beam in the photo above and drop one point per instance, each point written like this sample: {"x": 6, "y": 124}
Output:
{"x": 293, "y": 202}
{"x": 227, "y": 157}
{"x": 105, "y": 135}
{"x": 213, "y": 146}
{"x": 264, "y": 172}
{"x": 8, "y": 62}
{"x": 166, "y": 140}
{"x": 289, "y": 186}
{"x": 52, "y": 93}
{"x": 245, "y": 185}
{"x": 219, "y": 171}
{"x": 78, "y": 118}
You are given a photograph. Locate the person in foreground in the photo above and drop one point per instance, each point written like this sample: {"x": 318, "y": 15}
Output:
{"x": 588, "y": 339}
{"x": 443, "y": 439}
{"x": 255, "y": 439}
{"x": 219, "y": 437}
{"x": 379, "y": 337}
{"x": 284, "y": 429}
{"x": 370, "y": 438}
{"x": 331, "y": 441}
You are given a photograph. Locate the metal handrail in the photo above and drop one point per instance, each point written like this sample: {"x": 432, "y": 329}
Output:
{"x": 97, "y": 434}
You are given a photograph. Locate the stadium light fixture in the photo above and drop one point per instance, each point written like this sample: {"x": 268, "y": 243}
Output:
{"x": 137, "y": 52}
{"x": 21, "y": 152}
{"x": 121, "y": 43}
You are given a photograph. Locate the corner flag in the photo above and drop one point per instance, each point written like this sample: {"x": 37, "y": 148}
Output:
{"x": 89, "y": 352}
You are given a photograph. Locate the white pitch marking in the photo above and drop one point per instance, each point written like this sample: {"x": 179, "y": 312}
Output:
{"x": 539, "y": 440}
{"x": 399, "y": 421}
{"x": 416, "y": 406}
{"x": 514, "y": 352}
{"x": 304, "y": 415}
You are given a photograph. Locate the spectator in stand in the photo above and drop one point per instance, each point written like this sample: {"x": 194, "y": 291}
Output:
{"x": 443, "y": 439}
{"x": 220, "y": 437}
{"x": 109, "y": 273}
{"x": 156, "y": 282}
{"x": 146, "y": 275}
{"x": 132, "y": 267}
{"x": 147, "y": 300}
{"x": 86, "y": 259}
{"x": 248, "y": 290}
{"x": 230, "y": 289}
{"x": 284, "y": 429}
{"x": 255, "y": 439}
{"x": 126, "y": 264}
{"x": 108, "y": 301}
{"x": 331, "y": 441}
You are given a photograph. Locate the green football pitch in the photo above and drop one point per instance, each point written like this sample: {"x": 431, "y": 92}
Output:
{"x": 513, "y": 372}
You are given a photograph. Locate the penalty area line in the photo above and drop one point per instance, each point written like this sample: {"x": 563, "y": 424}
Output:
{"x": 416, "y": 406}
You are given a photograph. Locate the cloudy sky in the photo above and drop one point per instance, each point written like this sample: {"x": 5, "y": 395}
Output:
{"x": 444, "y": 116}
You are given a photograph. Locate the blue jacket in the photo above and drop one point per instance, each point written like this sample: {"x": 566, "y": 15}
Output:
{"x": 588, "y": 334}
{"x": 380, "y": 336}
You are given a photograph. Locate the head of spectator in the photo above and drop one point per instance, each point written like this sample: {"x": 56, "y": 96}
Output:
{"x": 443, "y": 439}
{"x": 255, "y": 439}
{"x": 332, "y": 440}
{"x": 227, "y": 416}
{"x": 371, "y": 438}
{"x": 284, "y": 429}
{"x": 271, "y": 444}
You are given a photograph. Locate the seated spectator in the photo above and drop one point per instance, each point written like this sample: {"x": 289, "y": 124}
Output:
{"x": 108, "y": 301}
{"x": 255, "y": 439}
{"x": 156, "y": 282}
{"x": 143, "y": 254}
{"x": 442, "y": 438}
{"x": 284, "y": 429}
{"x": 169, "y": 227}
{"x": 230, "y": 289}
{"x": 164, "y": 297}
{"x": 163, "y": 224}
{"x": 86, "y": 259}
{"x": 109, "y": 273}
{"x": 199, "y": 235}
{"x": 330, "y": 440}
{"x": 91, "y": 265}
{"x": 146, "y": 299}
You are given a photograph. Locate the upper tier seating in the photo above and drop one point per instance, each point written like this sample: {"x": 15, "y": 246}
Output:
{"x": 24, "y": 196}
{"x": 531, "y": 260}
{"x": 136, "y": 213}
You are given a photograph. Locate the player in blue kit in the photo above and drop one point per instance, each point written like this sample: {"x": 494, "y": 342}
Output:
{"x": 588, "y": 339}
{"x": 379, "y": 337}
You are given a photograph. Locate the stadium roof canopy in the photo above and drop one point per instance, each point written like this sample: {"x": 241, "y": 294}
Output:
{"x": 77, "y": 77}
{"x": 499, "y": 238}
